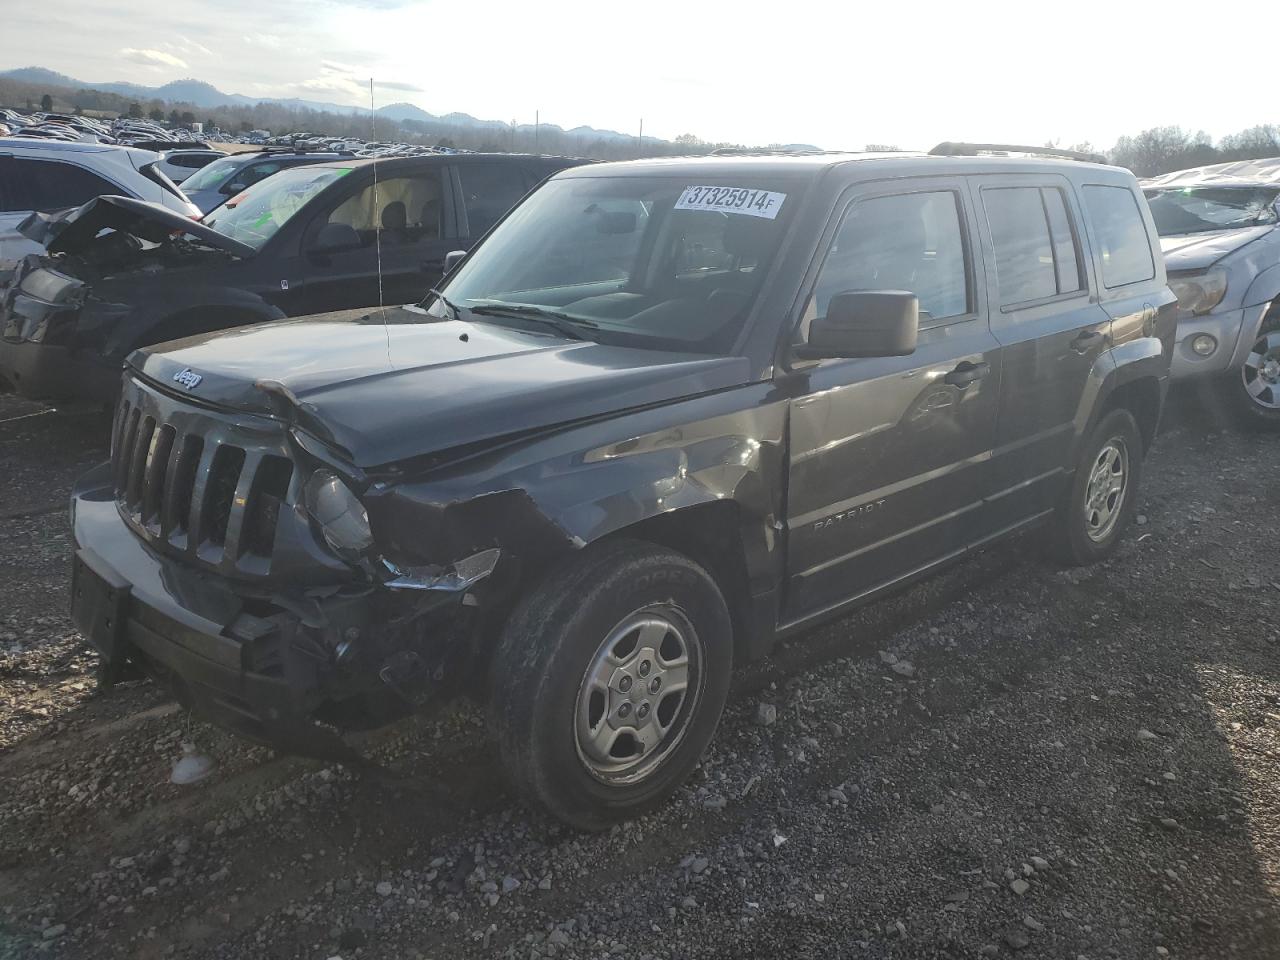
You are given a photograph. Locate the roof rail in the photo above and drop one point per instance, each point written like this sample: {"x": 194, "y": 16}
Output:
{"x": 760, "y": 152}
{"x": 949, "y": 148}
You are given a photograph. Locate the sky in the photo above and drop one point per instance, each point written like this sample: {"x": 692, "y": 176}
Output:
{"x": 834, "y": 74}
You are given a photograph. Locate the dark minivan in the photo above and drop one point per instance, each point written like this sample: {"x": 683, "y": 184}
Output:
{"x": 121, "y": 274}
{"x": 666, "y": 413}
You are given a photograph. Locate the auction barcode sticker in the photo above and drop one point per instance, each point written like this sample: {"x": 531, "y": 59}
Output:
{"x": 743, "y": 200}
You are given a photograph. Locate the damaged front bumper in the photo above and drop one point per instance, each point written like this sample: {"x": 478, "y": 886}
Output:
{"x": 292, "y": 670}
{"x": 54, "y": 374}
{"x": 42, "y": 353}
{"x": 1229, "y": 336}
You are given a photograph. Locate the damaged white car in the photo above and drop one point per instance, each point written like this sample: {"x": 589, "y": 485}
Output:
{"x": 1220, "y": 230}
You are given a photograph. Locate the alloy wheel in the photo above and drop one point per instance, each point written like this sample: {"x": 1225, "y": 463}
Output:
{"x": 1105, "y": 492}
{"x": 638, "y": 693}
{"x": 1261, "y": 371}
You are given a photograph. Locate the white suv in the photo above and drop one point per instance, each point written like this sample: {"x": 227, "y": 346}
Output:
{"x": 1220, "y": 231}
{"x": 48, "y": 175}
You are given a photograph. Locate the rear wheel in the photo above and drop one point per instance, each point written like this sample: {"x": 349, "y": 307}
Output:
{"x": 1102, "y": 497}
{"x": 1254, "y": 390}
{"x": 609, "y": 681}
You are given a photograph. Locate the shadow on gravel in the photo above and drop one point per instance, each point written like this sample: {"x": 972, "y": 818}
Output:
{"x": 1121, "y": 722}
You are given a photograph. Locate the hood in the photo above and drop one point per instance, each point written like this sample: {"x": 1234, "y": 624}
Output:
{"x": 1197, "y": 251}
{"x": 387, "y": 390}
{"x": 70, "y": 231}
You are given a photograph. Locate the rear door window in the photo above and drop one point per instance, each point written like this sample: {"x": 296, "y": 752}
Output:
{"x": 1034, "y": 243}
{"x": 489, "y": 190}
{"x": 55, "y": 186}
{"x": 1066, "y": 262}
{"x": 404, "y": 209}
{"x": 1121, "y": 235}
{"x": 12, "y": 194}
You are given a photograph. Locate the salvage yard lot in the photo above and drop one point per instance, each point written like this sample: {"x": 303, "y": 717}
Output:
{"x": 1009, "y": 759}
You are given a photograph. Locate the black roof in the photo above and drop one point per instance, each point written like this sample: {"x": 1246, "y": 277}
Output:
{"x": 813, "y": 163}
{"x": 396, "y": 163}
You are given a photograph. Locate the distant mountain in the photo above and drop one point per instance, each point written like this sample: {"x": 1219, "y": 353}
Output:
{"x": 400, "y": 112}
{"x": 40, "y": 75}
{"x": 207, "y": 96}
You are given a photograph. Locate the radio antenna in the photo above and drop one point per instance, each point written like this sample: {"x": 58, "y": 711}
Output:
{"x": 377, "y": 221}
{"x": 377, "y": 208}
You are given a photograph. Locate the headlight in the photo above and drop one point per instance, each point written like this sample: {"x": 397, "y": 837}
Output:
{"x": 1199, "y": 292}
{"x": 49, "y": 285}
{"x": 339, "y": 513}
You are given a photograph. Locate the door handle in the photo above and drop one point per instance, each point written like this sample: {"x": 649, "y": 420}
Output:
{"x": 966, "y": 373}
{"x": 1085, "y": 341}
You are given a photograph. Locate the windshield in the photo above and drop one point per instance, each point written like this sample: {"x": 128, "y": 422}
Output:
{"x": 1200, "y": 209}
{"x": 642, "y": 261}
{"x": 257, "y": 214}
{"x": 212, "y": 176}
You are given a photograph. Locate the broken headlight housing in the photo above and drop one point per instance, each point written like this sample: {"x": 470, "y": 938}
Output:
{"x": 49, "y": 286}
{"x": 339, "y": 514}
{"x": 1198, "y": 293}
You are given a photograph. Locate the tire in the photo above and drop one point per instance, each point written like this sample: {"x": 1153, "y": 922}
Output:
{"x": 1093, "y": 514}
{"x": 1252, "y": 392}
{"x": 561, "y": 707}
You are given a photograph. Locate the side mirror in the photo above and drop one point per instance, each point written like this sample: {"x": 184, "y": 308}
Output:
{"x": 452, "y": 259}
{"x": 231, "y": 189}
{"x": 334, "y": 238}
{"x": 864, "y": 323}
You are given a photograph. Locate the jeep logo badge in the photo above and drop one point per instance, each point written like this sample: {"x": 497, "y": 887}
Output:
{"x": 188, "y": 378}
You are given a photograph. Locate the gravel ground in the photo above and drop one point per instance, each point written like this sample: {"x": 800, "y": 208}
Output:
{"x": 1008, "y": 759}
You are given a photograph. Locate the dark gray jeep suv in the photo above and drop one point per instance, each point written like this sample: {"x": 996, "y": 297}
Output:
{"x": 665, "y": 414}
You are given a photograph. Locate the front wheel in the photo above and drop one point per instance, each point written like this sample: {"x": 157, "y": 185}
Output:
{"x": 1254, "y": 390}
{"x": 1102, "y": 497}
{"x": 609, "y": 681}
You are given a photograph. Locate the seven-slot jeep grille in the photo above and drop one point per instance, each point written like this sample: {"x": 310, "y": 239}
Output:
{"x": 207, "y": 485}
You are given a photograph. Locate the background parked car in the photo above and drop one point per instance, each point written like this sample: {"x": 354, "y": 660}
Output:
{"x": 47, "y": 175}
{"x": 210, "y": 187}
{"x": 1220, "y": 231}
{"x": 178, "y": 165}
{"x": 316, "y": 238}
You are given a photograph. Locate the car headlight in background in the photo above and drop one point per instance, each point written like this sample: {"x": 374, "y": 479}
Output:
{"x": 49, "y": 285}
{"x": 1199, "y": 293}
{"x": 338, "y": 512}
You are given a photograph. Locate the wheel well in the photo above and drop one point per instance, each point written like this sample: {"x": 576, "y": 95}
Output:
{"x": 709, "y": 535}
{"x": 1142, "y": 399}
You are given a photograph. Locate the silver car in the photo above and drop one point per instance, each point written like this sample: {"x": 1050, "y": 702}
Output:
{"x": 1220, "y": 231}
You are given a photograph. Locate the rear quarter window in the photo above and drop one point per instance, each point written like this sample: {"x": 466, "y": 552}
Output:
{"x": 1120, "y": 235}
{"x": 55, "y": 185}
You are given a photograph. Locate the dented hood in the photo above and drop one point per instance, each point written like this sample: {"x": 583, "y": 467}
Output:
{"x": 70, "y": 231}
{"x": 386, "y": 388}
{"x": 1196, "y": 251}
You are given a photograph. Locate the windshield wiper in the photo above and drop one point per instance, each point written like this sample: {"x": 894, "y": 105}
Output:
{"x": 564, "y": 324}
{"x": 454, "y": 312}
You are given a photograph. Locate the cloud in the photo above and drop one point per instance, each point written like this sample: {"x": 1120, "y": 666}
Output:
{"x": 333, "y": 66}
{"x": 188, "y": 46}
{"x": 152, "y": 58}
{"x": 268, "y": 40}
{"x": 329, "y": 86}
{"x": 393, "y": 85}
